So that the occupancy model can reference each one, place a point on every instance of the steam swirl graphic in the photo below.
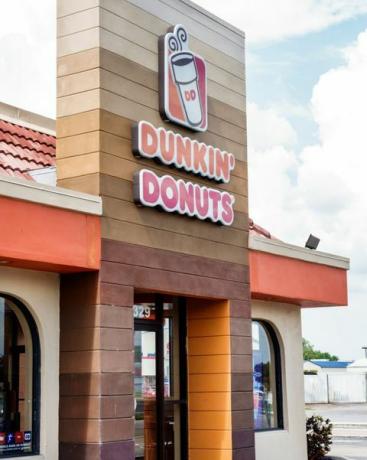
(178, 39)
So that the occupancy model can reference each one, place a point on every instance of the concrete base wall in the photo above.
(344, 388)
(39, 292)
(286, 321)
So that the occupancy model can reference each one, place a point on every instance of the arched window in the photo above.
(267, 377)
(19, 380)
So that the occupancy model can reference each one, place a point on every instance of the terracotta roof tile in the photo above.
(258, 230)
(24, 149)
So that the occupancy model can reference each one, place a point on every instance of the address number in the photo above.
(142, 312)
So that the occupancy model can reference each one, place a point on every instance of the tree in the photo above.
(309, 352)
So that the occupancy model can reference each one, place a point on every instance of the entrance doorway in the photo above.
(160, 378)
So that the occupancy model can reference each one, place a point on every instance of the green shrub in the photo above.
(319, 435)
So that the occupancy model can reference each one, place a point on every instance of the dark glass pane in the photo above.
(145, 395)
(16, 382)
(264, 379)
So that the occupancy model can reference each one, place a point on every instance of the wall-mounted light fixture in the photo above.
(312, 242)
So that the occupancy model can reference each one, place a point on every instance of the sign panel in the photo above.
(183, 91)
(172, 149)
(183, 197)
(183, 100)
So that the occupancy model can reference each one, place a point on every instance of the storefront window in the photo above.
(266, 377)
(19, 383)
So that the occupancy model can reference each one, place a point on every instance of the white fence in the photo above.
(335, 388)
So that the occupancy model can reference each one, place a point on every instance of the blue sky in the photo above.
(283, 73)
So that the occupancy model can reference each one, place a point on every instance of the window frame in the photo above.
(36, 378)
(274, 347)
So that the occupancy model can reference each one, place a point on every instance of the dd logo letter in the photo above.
(190, 95)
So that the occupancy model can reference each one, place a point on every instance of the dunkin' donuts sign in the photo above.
(183, 98)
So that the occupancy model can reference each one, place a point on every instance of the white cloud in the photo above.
(28, 55)
(322, 189)
(267, 128)
(265, 20)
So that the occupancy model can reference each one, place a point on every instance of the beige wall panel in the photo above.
(78, 22)
(157, 26)
(146, 97)
(225, 112)
(207, 19)
(78, 62)
(144, 57)
(67, 7)
(211, 32)
(161, 239)
(78, 145)
(93, 79)
(76, 124)
(90, 38)
(125, 29)
(129, 89)
(140, 74)
(78, 166)
(126, 211)
(78, 82)
(76, 103)
(78, 42)
(225, 78)
(129, 69)
(91, 59)
(89, 183)
(132, 51)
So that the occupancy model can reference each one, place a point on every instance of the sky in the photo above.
(307, 123)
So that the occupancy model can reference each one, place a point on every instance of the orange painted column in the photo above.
(209, 369)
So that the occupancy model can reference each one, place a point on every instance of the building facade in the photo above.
(187, 277)
(129, 328)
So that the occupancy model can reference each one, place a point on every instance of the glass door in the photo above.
(160, 378)
(145, 386)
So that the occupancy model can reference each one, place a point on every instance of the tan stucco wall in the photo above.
(39, 291)
(286, 320)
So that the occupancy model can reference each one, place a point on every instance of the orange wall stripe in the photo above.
(296, 281)
(42, 237)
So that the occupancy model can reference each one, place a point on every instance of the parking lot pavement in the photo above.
(340, 413)
(348, 449)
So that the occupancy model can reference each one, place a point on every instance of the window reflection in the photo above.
(265, 368)
(16, 381)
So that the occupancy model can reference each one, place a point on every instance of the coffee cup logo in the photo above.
(183, 93)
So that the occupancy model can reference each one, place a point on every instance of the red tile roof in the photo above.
(258, 230)
(24, 149)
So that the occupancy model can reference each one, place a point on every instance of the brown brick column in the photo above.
(243, 441)
(96, 380)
